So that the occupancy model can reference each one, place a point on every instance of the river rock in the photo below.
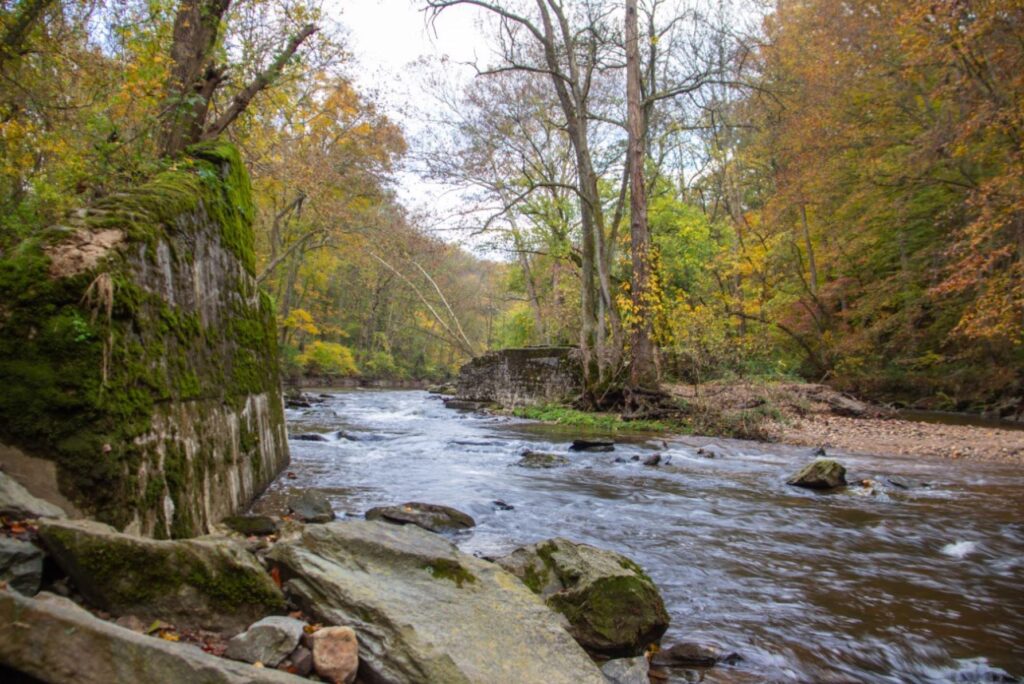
(58, 643)
(21, 565)
(214, 584)
(424, 611)
(612, 606)
(268, 641)
(592, 445)
(301, 661)
(686, 654)
(432, 517)
(336, 654)
(824, 473)
(652, 460)
(16, 502)
(311, 506)
(627, 671)
(252, 525)
(539, 459)
(310, 437)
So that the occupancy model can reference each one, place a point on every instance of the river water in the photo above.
(924, 584)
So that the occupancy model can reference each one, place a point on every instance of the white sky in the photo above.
(386, 37)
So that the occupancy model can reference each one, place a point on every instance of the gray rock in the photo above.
(686, 654)
(21, 565)
(612, 606)
(432, 517)
(209, 583)
(311, 506)
(268, 641)
(627, 671)
(16, 502)
(821, 474)
(424, 611)
(539, 459)
(249, 525)
(56, 643)
(302, 660)
(592, 445)
(310, 437)
(652, 460)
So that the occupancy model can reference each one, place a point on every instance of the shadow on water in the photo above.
(884, 584)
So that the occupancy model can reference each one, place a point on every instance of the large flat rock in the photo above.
(424, 611)
(58, 643)
(208, 583)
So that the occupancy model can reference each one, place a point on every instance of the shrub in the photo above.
(328, 358)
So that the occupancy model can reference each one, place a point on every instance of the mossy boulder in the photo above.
(824, 473)
(424, 611)
(138, 353)
(208, 583)
(539, 459)
(431, 517)
(612, 606)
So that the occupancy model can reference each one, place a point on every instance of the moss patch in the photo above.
(442, 568)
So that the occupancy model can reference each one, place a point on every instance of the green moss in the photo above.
(442, 568)
(81, 385)
(534, 579)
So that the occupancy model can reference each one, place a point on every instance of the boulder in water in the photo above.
(612, 606)
(686, 654)
(424, 611)
(309, 437)
(539, 459)
(251, 525)
(209, 583)
(432, 517)
(592, 445)
(652, 460)
(824, 473)
(311, 506)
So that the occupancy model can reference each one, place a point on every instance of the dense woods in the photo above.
(823, 189)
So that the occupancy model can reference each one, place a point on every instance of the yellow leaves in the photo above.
(301, 320)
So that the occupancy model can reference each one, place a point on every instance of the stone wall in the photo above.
(522, 377)
(138, 354)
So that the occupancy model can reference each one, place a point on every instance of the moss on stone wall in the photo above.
(83, 383)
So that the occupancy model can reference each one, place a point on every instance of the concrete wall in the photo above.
(522, 377)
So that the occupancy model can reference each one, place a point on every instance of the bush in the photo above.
(328, 358)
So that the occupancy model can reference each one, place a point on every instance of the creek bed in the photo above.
(918, 584)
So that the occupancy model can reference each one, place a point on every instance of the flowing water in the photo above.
(923, 584)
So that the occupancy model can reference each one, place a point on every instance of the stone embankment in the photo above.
(522, 377)
(139, 357)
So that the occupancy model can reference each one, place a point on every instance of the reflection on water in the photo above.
(924, 584)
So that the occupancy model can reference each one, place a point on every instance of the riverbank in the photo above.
(817, 416)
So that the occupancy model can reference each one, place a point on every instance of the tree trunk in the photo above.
(642, 369)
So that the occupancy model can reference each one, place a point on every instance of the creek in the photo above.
(920, 579)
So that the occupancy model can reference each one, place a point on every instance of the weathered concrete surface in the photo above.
(424, 611)
(522, 377)
(138, 354)
(60, 644)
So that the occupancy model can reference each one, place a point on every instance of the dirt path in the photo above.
(815, 415)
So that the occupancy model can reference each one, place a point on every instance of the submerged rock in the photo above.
(432, 517)
(21, 565)
(58, 643)
(687, 654)
(310, 437)
(821, 474)
(612, 606)
(652, 460)
(539, 459)
(16, 502)
(424, 611)
(268, 641)
(311, 506)
(249, 525)
(208, 583)
(592, 445)
(627, 671)
(336, 654)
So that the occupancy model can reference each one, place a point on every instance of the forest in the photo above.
(689, 191)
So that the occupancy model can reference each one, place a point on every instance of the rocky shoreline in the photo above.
(277, 599)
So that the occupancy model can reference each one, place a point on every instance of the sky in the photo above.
(386, 37)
